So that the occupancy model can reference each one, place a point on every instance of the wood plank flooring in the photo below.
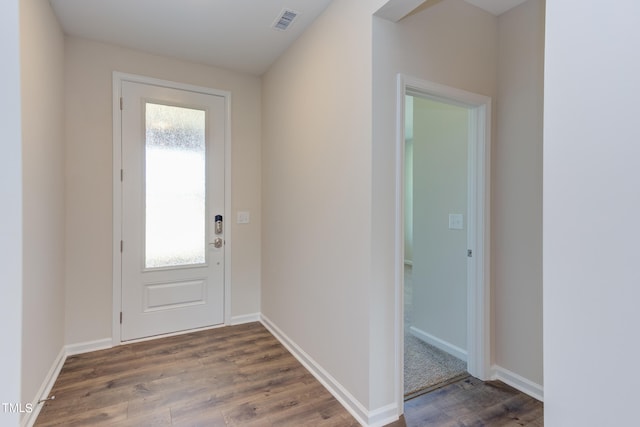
(471, 402)
(242, 376)
(231, 376)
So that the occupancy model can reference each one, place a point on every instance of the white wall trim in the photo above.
(30, 418)
(117, 79)
(228, 237)
(478, 286)
(87, 347)
(375, 418)
(382, 416)
(68, 350)
(443, 345)
(116, 301)
(518, 382)
(245, 318)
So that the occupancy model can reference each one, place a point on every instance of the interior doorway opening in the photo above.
(465, 220)
(435, 243)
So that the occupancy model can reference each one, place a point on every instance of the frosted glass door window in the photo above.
(175, 164)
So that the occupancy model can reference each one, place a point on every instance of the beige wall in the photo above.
(439, 276)
(327, 267)
(517, 192)
(456, 44)
(459, 45)
(88, 104)
(451, 43)
(11, 213)
(42, 50)
(317, 194)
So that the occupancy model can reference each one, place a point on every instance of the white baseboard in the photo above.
(439, 343)
(69, 350)
(245, 318)
(382, 416)
(89, 346)
(30, 418)
(518, 382)
(376, 418)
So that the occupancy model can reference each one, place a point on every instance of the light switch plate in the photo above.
(243, 217)
(456, 222)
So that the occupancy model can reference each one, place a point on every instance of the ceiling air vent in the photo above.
(284, 19)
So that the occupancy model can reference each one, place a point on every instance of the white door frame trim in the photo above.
(478, 280)
(118, 78)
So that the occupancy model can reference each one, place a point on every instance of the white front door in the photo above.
(172, 196)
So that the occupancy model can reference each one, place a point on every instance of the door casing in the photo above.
(478, 239)
(118, 78)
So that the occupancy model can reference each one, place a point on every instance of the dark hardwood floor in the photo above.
(231, 376)
(242, 376)
(471, 402)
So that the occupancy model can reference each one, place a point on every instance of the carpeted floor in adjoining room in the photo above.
(425, 366)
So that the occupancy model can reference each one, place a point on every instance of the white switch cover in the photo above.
(243, 217)
(456, 222)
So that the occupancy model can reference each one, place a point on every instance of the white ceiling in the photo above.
(232, 34)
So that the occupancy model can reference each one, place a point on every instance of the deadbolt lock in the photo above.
(218, 224)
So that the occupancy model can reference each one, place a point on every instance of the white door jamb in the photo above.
(478, 278)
